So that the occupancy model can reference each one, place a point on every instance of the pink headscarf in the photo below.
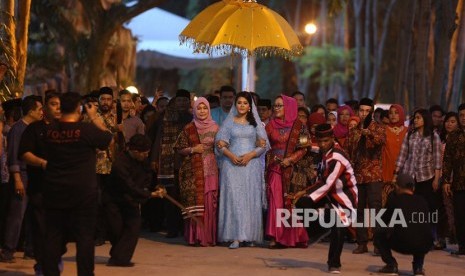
(399, 109)
(208, 122)
(340, 130)
(290, 113)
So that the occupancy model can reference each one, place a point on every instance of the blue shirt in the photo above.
(218, 115)
(14, 137)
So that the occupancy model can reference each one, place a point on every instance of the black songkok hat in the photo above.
(366, 101)
(183, 93)
(324, 130)
(264, 102)
(105, 90)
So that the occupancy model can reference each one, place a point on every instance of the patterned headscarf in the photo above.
(208, 123)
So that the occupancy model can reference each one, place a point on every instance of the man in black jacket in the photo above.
(413, 236)
(128, 187)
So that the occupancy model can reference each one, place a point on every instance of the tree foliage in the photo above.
(328, 64)
(88, 32)
(14, 22)
(269, 82)
(8, 81)
(202, 80)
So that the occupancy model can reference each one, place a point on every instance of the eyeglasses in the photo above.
(278, 106)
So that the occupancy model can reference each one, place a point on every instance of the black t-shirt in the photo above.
(71, 173)
(33, 140)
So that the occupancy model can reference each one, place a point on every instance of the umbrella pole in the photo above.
(248, 73)
(251, 74)
(245, 73)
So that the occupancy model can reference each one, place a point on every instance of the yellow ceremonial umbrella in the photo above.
(234, 26)
(244, 27)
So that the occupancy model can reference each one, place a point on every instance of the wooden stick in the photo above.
(188, 213)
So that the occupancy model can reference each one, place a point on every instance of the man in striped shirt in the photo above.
(336, 185)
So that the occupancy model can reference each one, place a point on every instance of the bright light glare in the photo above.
(310, 28)
(132, 89)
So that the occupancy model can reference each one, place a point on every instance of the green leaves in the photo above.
(327, 64)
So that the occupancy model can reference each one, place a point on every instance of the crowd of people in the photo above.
(219, 169)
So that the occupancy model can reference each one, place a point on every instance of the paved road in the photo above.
(156, 255)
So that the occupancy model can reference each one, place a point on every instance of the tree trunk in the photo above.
(348, 44)
(409, 89)
(450, 96)
(379, 52)
(374, 16)
(358, 85)
(99, 44)
(367, 50)
(459, 63)
(445, 28)
(403, 49)
(340, 28)
(24, 11)
(323, 22)
(8, 32)
(302, 82)
(297, 15)
(421, 54)
(86, 46)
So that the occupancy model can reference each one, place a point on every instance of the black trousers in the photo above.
(337, 235)
(425, 189)
(101, 227)
(15, 216)
(369, 196)
(124, 222)
(4, 203)
(36, 212)
(459, 216)
(443, 222)
(80, 222)
(172, 212)
(153, 214)
(336, 245)
(384, 244)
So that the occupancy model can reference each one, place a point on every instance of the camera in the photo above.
(87, 101)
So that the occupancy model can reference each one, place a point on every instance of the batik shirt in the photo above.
(366, 160)
(453, 169)
(105, 157)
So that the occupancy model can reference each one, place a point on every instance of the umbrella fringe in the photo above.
(228, 49)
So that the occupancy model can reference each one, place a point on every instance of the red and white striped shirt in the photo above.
(335, 179)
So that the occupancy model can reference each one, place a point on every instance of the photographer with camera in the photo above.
(70, 189)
